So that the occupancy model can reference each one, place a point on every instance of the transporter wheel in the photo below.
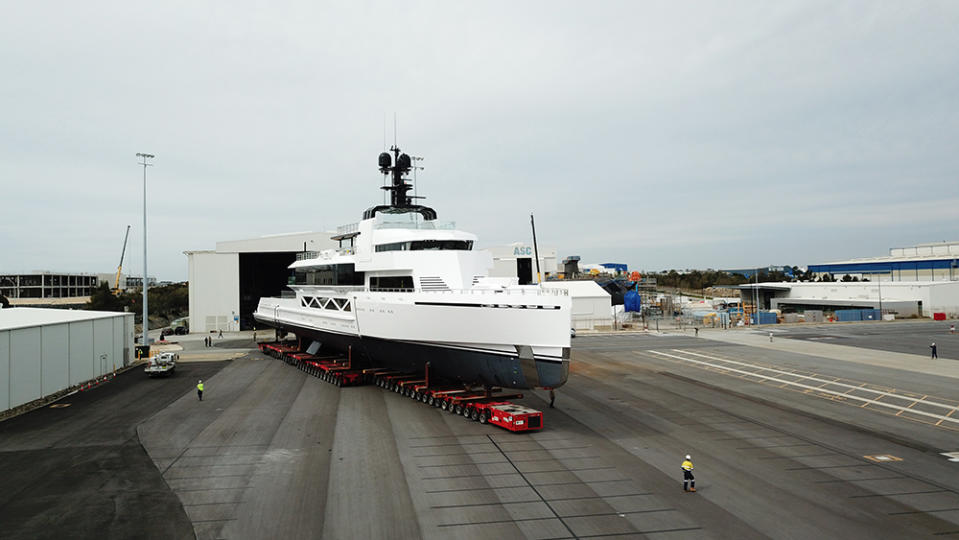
(431, 401)
(457, 409)
(474, 415)
(483, 417)
(466, 411)
(339, 382)
(443, 404)
(423, 397)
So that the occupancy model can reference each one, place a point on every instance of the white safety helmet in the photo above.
(687, 456)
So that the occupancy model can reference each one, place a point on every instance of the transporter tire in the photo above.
(483, 417)
(457, 409)
(431, 401)
(443, 404)
(466, 411)
(474, 415)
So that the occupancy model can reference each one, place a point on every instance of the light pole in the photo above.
(879, 284)
(146, 324)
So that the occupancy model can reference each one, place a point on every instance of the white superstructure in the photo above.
(404, 289)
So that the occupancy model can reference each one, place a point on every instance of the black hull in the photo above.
(468, 366)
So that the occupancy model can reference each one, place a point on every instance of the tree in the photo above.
(103, 299)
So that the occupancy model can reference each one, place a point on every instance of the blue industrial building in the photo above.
(925, 262)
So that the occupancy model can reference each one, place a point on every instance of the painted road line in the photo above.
(814, 378)
(952, 421)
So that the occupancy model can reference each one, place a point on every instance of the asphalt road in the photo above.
(786, 445)
(899, 336)
(77, 470)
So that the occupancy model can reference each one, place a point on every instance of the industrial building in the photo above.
(46, 285)
(591, 304)
(44, 351)
(899, 298)
(937, 261)
(226, 283)
(519, 260)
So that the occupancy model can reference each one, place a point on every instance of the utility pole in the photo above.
(146, 324)
(879, 284)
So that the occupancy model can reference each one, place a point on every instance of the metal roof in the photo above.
(22, 317)
(771, 286)
(887, 264)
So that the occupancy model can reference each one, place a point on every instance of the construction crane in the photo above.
(116, 284)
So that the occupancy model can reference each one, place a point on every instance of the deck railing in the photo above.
(525, 291)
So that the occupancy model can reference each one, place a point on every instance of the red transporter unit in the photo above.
(514, 417)
(487, 405)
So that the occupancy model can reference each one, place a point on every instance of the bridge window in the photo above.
(428, 245)
(329, 274)
(391, 283)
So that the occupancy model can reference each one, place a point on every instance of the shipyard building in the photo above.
(226, 283)
(45, 351)
(918, 281)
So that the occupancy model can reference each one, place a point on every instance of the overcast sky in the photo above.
(659, 134)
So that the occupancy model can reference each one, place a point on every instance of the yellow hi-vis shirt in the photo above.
(687, 465)
(200, 388)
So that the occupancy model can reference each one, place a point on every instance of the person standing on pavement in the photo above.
(221, 333)
(935, 354)
(552, 398)
(199, 389)
(689, 482)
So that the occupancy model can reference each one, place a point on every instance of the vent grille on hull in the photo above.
(433, 283)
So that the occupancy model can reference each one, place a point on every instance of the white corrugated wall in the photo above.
(41, 360)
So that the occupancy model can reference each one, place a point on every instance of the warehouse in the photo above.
(899, 298)
(44, 351)
(591, 304)
(226, 283)
(937, 261)
(519, 260)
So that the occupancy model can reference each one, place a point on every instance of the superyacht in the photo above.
(404, 289)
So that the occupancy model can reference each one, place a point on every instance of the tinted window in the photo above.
(386, 283)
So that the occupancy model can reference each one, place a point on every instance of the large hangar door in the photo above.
(524, 270)
(261, 274)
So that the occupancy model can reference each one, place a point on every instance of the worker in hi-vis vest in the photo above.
(689, 483)
(199, 389)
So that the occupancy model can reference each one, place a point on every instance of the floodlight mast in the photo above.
(144, 157)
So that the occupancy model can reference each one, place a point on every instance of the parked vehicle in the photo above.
(162, 364)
